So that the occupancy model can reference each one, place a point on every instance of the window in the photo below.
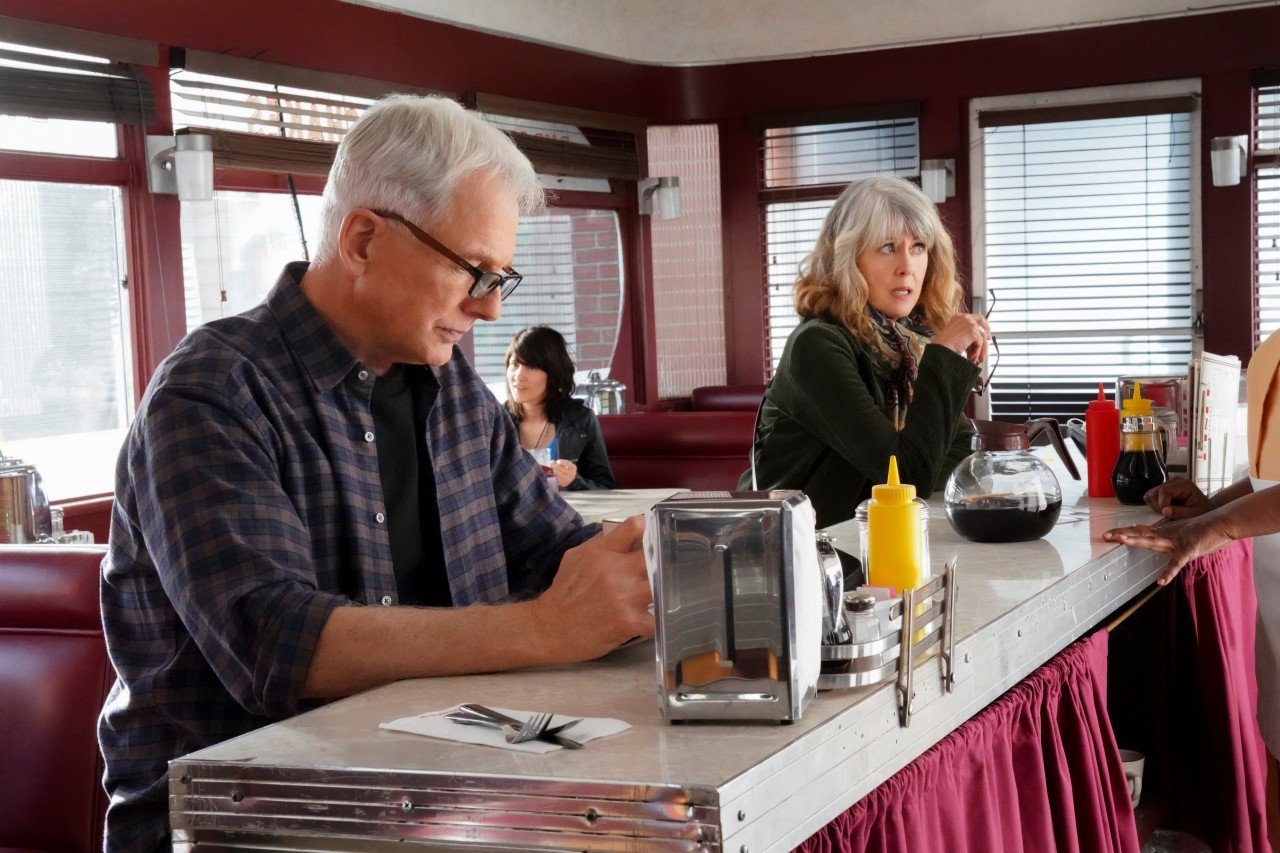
(688, 271)
(235, 246)
(571, 262)
(1085, 228)
(803, 167)
(66, 366)
(1266, 159)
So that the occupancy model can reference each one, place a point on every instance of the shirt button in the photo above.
(386, 601)
(363, 375)
(381, 518)
(368, 436)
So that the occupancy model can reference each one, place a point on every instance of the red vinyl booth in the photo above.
(688, 450)
(726, 398)
(54, 675)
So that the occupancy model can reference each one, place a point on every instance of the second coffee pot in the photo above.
(1002, 492)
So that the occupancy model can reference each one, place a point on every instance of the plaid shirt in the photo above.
(249, 506)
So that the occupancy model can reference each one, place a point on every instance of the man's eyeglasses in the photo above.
(485, 282)
(993, 350)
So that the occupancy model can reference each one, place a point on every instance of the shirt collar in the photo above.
(324, 357)
(315, 345)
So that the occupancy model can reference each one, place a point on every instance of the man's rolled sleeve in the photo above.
(233, 554)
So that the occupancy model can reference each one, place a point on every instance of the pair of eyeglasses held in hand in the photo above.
(993, 349)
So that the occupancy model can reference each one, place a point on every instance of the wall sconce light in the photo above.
(182, 164)
(662, 192)
(1229, 159)
(938, 179)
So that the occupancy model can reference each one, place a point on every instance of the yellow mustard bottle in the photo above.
(895, 547)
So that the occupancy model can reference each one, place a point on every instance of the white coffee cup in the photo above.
(1133, 762)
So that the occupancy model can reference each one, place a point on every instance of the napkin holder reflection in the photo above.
(737, 602)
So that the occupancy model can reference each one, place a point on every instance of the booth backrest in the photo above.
(54, 674)
(690, 450)
(726, 398)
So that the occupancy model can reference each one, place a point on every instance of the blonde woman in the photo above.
(882, 362)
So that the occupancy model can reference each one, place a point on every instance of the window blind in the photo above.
(264, 126)
(48, 84)
(1087, 238)
(567, 143)
(802, 170)
(1266, 159)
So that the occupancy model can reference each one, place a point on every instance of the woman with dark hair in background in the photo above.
(882, 362)
(539, 382)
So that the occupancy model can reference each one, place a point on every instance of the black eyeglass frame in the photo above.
(984, 382)
(485, 282)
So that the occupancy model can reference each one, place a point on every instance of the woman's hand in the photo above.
(1178, 498)
(966, 335)
(566, 472)
(1182, 540)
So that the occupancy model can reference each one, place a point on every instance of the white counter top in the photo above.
(731, 786)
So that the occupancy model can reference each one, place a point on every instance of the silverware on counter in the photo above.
(479, 715)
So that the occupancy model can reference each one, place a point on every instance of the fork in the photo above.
(532, 727)
(488, 722)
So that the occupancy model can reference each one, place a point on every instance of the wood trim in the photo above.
(518, 108)
(1088, 112)
(836, 115)
(237, 67)
(53, 37)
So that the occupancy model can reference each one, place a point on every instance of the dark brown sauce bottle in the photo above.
(1137, 472)
(1140, 467)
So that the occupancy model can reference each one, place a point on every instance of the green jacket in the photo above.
(824, 431)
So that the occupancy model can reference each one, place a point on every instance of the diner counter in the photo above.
(753, 787)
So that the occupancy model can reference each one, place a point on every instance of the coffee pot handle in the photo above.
(1049, 425)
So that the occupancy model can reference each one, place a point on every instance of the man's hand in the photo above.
(1182, 540)
(1178, 498)
(600, 596)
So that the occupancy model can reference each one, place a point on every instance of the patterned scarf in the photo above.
(907, 337)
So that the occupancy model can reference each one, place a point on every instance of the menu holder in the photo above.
(1214, 386)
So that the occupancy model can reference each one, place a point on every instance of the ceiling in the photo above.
(701, 32)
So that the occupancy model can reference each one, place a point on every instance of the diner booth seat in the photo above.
(686, 450)
(726, 398)
(54, 675)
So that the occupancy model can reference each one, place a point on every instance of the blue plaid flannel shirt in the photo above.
(249, 506)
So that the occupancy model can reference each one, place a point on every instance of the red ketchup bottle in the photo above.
(1102, 443)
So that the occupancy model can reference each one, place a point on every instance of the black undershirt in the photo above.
(401, 402)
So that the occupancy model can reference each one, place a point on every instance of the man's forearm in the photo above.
(365, 647)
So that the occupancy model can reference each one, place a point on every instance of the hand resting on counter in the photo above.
(1199, 525)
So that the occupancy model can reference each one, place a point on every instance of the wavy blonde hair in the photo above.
(864, 216)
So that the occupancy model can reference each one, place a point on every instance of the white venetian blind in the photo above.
(803, 166)
(1088, 249)
(1266, 159)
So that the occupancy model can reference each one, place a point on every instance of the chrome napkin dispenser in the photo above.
(738, 604)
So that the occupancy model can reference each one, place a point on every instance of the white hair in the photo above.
(407, 154)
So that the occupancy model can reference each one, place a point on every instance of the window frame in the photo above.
(766, 195)
(1070, 98)
(116, 172)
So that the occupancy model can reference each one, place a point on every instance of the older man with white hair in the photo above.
(320, 495)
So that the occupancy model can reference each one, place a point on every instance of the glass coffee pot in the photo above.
(1002, 492)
